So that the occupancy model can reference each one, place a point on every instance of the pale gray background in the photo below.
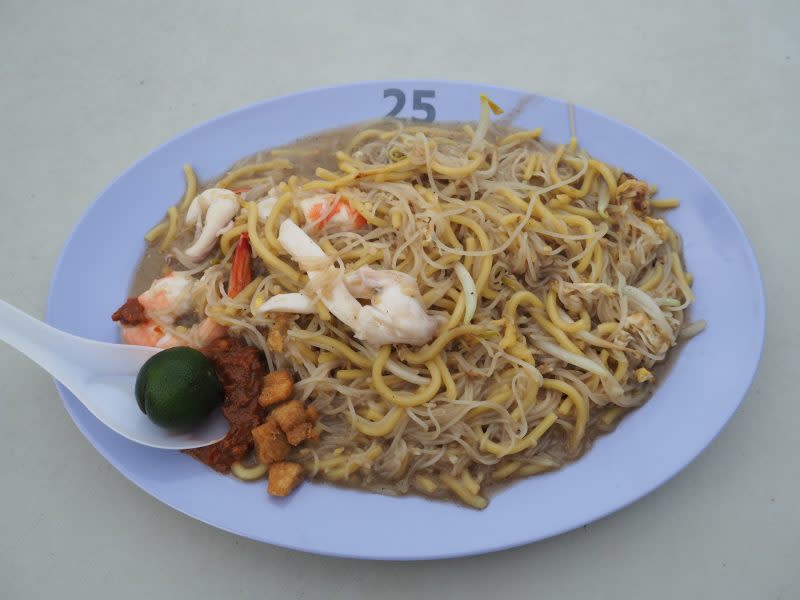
(86, 88)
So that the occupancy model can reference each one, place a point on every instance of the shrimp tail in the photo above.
(241, 273)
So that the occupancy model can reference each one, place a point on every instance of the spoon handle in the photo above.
(102, 377)
(53, 350)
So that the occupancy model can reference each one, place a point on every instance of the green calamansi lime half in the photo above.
(177, 388)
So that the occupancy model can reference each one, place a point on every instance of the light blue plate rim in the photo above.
(428, 549)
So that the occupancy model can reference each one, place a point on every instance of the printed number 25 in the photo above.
(419, 104)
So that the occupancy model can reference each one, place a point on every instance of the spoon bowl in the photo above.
(103, 377)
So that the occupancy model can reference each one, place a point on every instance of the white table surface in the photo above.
(86, 88)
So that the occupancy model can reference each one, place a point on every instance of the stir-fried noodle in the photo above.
(550, 288)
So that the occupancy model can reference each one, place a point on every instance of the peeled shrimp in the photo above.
(167, 299)
(170, 297)
(331, 212)
(150, 334)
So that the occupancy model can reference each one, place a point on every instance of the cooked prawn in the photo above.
(170, 297)
(331, 212)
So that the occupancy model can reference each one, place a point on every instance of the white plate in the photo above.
(707, 382)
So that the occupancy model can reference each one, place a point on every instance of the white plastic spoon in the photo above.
(102, 376)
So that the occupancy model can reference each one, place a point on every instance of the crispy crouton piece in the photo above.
(270, 441)
(283, 478)
(312, 414)
(299, 433)
(289, 415)
(276, 339)
(295, 422)
(277, 388)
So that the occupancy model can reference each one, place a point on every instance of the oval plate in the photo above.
(707, 381)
